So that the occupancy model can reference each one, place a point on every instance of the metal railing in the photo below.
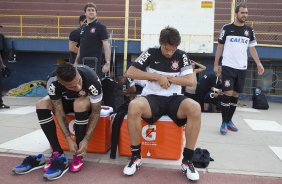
(59, 27)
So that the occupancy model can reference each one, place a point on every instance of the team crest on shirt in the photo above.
(175, 65)
(227, 83)
(92, 30)
(82, 93)
(246, 33)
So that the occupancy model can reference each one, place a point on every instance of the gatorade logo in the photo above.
(149, 132)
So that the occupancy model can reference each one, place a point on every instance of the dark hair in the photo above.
(170, 35)
(92, 5)
(241, 5)
(82, 18)
(66, 72)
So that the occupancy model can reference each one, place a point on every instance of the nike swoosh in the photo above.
(157, 62)
(77, 166)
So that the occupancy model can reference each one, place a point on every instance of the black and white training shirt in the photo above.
(152, 61)
(236, 41)
(91, 86)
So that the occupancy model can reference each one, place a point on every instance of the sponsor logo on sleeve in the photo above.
(222, 33)
(143, 58)
(93, 90)
(51, 89)
(185, 60)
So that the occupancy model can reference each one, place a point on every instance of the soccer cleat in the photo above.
(190, 171)
(231, 126)
(132, 166)
(48, 164)
(223, 128)
(58, 168)
(29, 164)
(77, 163)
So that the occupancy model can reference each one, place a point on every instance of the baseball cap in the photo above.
(82, 18)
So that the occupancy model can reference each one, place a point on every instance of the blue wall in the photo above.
(31, 66)
(36, 58)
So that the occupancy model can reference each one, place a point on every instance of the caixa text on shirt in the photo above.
(239, 40)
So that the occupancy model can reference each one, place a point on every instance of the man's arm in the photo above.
(93, 120)
(73, 46)
(61, 117)
(1, 63)
(77, 56)
(186, 80)
(254, 55)
(200, 67)
(107, 52)
(216, 59)
(63, 123)
(135, 73)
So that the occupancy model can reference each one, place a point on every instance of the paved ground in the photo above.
(252, 155)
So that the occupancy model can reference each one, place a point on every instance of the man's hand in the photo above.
(163, 82)
(82, 147)
(217, 70)
(106, 67)
(260, 69)
(72, 145)
(2, 66)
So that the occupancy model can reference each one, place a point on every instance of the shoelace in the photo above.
(132, 160)
(54, 155)
(191, 167)
(30, 160)
(57, 163)
(76, 160)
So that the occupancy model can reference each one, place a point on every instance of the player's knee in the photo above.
(42, 104)
(196, 108)
(80, 105)
(135, 107)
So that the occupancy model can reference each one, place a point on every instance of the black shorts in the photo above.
(162, 105)
(67, 105)
(233, 79)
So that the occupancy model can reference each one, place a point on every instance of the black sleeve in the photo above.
(222, 35)
(95, 90)
(103, 32)
(143, 60)
(75, 36)
(54, 90)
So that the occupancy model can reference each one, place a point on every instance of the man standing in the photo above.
(2, 68)
(74, 39)
(167, 69)
(94, 37)
(236, 38)
(71, 89)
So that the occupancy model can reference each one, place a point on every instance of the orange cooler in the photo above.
(100, 141)
(163, 139)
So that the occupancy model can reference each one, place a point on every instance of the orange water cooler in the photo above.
(163, 139)
(100, 141)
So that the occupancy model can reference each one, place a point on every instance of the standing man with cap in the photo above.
(94, 37)
(74, 39)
